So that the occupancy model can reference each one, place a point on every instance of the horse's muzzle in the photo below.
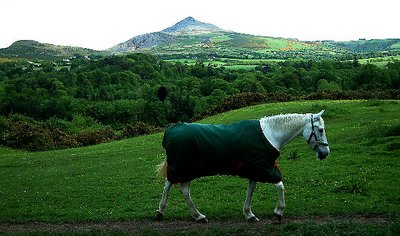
(323, 154)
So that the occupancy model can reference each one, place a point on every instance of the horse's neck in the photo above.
(281, 129)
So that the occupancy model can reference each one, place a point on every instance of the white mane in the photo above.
(286, 121)
(280, 129)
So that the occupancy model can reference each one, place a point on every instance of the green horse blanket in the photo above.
(196, 150)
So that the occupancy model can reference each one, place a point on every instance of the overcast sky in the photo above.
(101, 24)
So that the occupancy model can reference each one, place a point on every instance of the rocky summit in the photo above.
(190, 25)
(187, 26)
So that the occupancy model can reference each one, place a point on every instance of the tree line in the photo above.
(135, 93)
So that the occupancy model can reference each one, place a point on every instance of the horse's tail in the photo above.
(161, 170)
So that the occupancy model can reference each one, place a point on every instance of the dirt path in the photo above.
(170, 226)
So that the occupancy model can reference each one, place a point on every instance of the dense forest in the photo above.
(91, 100)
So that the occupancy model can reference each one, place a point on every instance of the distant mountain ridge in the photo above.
(35, 50)
(193, 39)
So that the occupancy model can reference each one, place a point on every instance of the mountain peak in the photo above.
(189, 18)
(189, 25)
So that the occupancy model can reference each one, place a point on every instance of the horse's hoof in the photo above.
(202, 220)
(253, 219)
(278, 218)
(159, 216)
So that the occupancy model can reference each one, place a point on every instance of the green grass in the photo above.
(240, 67)
(276, 43)
(2, 60)
(395, 46)
(379, 61)
(220, 38)
(116, 181)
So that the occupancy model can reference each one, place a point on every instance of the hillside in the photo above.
(192, 39)
(367, 46)
(115, 182)
(35, 50)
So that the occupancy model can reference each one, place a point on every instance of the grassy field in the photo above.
(380, 61)
(116, 182)
(232, 64)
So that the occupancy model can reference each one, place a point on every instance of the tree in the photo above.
(324, 85)
(372, 76)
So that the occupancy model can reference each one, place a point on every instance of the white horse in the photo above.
(277, 130)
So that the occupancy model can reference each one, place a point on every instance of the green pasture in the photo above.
(395, 46)
(228, 63)
(220, 38)
(379, 61)
(276, 43)
(2, 60)
(241, 67)
(116, 181)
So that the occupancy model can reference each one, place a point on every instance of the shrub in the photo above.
(61, 139)
(240, 100)
(87, 138)
(139, 128)
(25, 133)
(28, 136)
(81, 123)
(356, 94)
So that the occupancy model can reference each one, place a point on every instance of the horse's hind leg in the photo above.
(195, 213)
(163, 202)
(248, 214)
(281, 201)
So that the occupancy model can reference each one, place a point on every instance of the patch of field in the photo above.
(395, 46)
(220, 38)
(379, 61)
(240, 67)
(2, 60)
(276, 44)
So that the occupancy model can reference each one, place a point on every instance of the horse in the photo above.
(247, 149)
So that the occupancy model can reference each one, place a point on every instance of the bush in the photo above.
(81, 123)
(356, 94)
(61, 139)
(23, 133)
(139, 128)
(240, 100)
(87, 138)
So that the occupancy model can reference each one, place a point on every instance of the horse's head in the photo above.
(314, 133)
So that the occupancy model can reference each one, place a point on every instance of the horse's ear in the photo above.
(317, 116)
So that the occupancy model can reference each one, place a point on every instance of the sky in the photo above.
(101, 24)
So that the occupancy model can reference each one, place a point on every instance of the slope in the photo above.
(116, 181)
(35, 50)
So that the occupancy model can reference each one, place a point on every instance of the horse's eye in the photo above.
(321, 130)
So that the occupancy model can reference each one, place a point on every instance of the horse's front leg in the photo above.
(163, 202)
(195, 213)
(281, 201)
(248, 214)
